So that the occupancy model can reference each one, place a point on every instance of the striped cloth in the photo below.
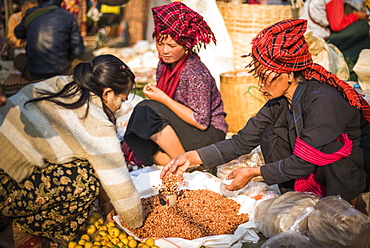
(41, 133)
(282, 48)
(184, 25)
(305, 151)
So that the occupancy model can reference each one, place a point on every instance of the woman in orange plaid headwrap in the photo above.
(313, 131)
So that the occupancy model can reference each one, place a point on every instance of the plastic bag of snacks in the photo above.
(335, 223)
(293, 237)
(253, 159)
(277, 215)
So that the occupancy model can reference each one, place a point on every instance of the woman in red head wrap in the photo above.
(184, 110)
(313, 131)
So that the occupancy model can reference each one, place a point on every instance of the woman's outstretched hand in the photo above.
(181, 163)
(241, 177)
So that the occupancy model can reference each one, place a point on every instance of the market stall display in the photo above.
(202, 185)
(197, 214)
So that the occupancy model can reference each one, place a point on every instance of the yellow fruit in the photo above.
(97, 224)
(110, 224)
(115, 240)
(150, 242)
(130, 237)
(145, 246)
(109, 244)
(122, 236)
(103, 228)
(96, 246)
(88, 244)
(125, 241)
(72, 244)
(114, 232)
(103, 233)
(125, 246)
(132, 243)
(140, 245)
(155, 246)
(97, 237)
(82, 242)
(97, 243)
(79, 246)
(86, 237)
(91, 229)
(93, 217)
(120, 244)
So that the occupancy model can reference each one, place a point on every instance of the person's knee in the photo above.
(362, 27)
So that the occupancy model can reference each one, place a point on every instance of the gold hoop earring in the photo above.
(186, 51)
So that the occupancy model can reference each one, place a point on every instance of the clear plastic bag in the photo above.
(283, 212)
(226, 192)
(253, 159)
(255, 190)
(335, 223)
(293, 237)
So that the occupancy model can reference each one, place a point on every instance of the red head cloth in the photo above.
(282, 48)
(183, 24)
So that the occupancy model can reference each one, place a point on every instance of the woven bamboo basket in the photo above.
(245, 21)
(241, 97)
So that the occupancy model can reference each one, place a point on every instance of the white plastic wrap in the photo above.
(253, 159)
(146, 184)
(335, 223)
(277, 215)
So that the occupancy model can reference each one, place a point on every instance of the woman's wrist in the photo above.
(256, 171)
(194, 158)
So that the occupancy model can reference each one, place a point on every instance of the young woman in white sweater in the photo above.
(60, 152)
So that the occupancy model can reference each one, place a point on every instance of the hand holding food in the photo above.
(154, 93)
(181, 163)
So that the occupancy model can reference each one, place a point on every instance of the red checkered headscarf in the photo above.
(183, 24)
(282, 48)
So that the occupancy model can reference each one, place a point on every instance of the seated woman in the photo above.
(184, 110)
(347, 31)
(313, 131)
(60, 152)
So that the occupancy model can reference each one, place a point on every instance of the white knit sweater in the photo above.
(43, 132)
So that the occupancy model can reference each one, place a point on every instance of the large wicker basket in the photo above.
(241, 97)
(245, 21)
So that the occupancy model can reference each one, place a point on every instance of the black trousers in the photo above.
(149, 117)
(20, 63)
(352, 39)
